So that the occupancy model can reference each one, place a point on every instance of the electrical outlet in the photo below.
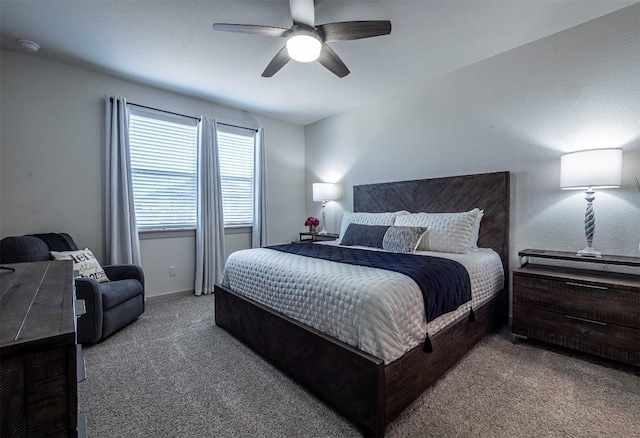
(172, 271)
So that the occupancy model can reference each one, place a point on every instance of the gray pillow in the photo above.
(364, 235)
(402, 239)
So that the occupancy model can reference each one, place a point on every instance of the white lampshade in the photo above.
(324, 192)
(595, 168)
(303, 48)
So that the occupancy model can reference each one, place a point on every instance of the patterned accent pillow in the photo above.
(364, 235)
(403, 239)
(85, 264)
(447, 232)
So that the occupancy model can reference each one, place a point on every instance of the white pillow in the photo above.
(446, 232)
(84, 263)
(365, 219)
(475, 233)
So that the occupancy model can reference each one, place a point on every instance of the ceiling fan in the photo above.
(307, 42)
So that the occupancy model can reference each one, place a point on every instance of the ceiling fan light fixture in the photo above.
(304, 48)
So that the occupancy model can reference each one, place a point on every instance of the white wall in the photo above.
(52, 160)
(518, 111)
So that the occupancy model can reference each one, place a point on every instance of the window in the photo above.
(164, 171)
(236, 150)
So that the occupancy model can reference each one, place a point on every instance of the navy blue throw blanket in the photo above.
(445, 284)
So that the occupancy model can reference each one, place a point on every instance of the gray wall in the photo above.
(52, 160)
(518, 111)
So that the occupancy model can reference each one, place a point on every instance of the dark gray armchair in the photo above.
(110, 305)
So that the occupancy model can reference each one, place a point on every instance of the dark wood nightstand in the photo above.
(593, 311)
(307, 237)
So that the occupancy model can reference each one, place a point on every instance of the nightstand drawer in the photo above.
(607, 340)
(587, 300)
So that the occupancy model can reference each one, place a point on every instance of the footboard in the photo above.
(359, 386)
(342, 376)
(409, 376)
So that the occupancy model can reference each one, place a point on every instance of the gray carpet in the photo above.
(173, 373)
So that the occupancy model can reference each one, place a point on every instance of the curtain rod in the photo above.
(184, 115)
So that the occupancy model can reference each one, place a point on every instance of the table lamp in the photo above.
(323, 192)
(589, 170)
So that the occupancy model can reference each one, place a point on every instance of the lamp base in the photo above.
(589, 252)
(323, 232)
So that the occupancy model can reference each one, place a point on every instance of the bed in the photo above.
(362, 387)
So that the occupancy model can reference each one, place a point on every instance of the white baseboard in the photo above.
(168, 296)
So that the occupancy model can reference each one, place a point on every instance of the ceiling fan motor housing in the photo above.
(303, 45)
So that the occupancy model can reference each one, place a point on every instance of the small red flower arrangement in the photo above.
(312, 223)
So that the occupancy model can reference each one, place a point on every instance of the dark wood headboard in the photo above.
(487, 191)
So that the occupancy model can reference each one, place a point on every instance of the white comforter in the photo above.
(380, 312)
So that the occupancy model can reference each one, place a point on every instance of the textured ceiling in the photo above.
(171, 44)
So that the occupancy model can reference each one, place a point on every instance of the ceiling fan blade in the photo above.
(353, 30)
(252, 29)
(278, 61)
(330, 60)
(303, 12)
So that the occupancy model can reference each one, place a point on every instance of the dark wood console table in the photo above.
(40, 359)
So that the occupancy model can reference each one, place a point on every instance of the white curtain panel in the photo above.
(210, 223)
(259, 231)
(123, 245)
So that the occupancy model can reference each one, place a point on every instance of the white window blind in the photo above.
(236, 150)
(164, 170)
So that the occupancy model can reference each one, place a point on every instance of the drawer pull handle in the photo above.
(586, 320)
(569, 283)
